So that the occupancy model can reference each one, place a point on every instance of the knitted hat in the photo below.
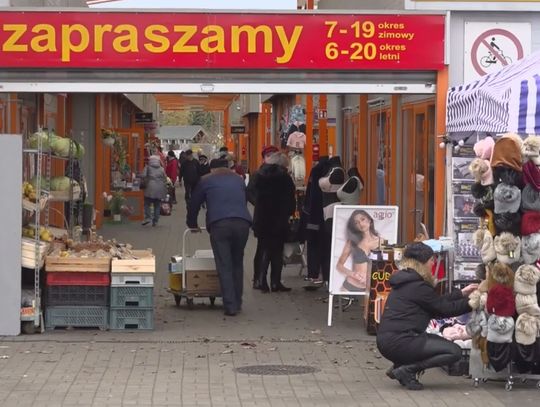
(526, 329)
(418, 251)
(507, 198)
(530, 198)
(508, 222)
(531, 174)
(531, 147)
(267, 150)
(500, 301)
(484, 148)
(525, 279)
(530, 223)
(501, 274)
(530, 248)
(500, 329)
(527, 304)
(507, 247)
(507, 153)
(481, 171)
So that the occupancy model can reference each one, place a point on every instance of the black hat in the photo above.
(189, 152)
(219, 163)
(201, 156)
(418, 251)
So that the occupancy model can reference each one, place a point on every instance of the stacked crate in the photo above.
(132, 291)
(77, 292)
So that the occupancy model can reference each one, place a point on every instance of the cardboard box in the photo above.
(202, 282)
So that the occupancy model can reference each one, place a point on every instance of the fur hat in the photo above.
(474, 299)
(507, 175)
(508, 248)
(525, 279)
(507, 152)
(508, 222)
(531, 175)
(487, 249)
(500, 301)
(500, 273)
(500, 329)
(530, 198)
(478, 190)
(530, 223)
(527, 304)
(526, 329)
(477, 324)
(418, 251)
(479, 209)
(483, 148)
(481, 271)
(531, 147)
(507, 198)
(530, 248)
(481, 171)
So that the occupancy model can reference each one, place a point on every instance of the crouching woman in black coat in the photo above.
(412, 303)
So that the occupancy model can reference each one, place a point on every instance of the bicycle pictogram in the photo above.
(495, 55)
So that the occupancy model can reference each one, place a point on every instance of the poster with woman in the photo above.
(357, 232)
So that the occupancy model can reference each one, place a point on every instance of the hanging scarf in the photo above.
(531, 174)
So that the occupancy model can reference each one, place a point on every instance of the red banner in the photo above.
(221, 41)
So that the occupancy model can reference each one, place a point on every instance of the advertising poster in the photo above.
(465, 249)
(357, 232)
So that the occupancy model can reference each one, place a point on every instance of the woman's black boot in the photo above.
(407, 377)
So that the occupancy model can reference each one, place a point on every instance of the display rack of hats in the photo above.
(505, 322)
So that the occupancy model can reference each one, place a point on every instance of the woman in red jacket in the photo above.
(172, 172)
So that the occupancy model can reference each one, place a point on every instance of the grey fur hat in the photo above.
(530, 248)
(478, 324)
(530, 198)
(507, 198)
(507, 247)
(526, 329)
(500, 329)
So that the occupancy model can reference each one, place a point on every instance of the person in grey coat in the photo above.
(155, 190)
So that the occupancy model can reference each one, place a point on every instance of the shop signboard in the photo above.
(227, 40)
(474, 5)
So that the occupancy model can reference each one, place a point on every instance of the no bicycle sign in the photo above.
(491, 46)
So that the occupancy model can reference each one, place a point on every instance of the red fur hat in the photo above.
(530, 223)
(501, 301)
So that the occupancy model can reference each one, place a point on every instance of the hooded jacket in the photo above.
(272, 192)
(154, 173)
(413, 301)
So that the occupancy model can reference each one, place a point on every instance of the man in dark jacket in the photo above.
(274, 204)
(190, 174)
(228, 221)
(412, 303)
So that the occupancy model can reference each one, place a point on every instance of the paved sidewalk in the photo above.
(190, 357)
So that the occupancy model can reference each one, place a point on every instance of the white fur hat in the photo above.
(526, 329)
(531, 147)
(527, 304)
(487, 250)
(500, 329)
(525, 279)
(474, 299)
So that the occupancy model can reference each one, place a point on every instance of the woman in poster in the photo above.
(362, 238)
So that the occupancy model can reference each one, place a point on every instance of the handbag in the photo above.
(143, 183)
(165, 209)
(294, 233)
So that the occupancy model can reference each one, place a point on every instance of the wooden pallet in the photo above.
(145, 263)
(78, 264)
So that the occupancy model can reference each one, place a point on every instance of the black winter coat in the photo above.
(411, 304)
(190, 171)
(271, 190)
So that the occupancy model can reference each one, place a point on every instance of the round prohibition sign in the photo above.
(485, 53)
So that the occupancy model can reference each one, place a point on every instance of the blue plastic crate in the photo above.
(77, 317)
(130, 296)
(132, 318)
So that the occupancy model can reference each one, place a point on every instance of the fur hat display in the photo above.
(530, 223)
(507, 153)
(481, 171)
(483, 148)
(530, 198)
(531, 175)
(418, 251)
(478, 190)
(508, 222)
(500, 329)
(507, 175)
(507, 198)
(525, 279)
(526, 329)
(500, 301)
(531, 147)
(527, 304)
(530, 248)
(477, 324)
(500, 273)
(508, 248)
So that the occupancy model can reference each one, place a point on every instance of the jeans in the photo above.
(155, 203)
(272, 254)
(228, 238)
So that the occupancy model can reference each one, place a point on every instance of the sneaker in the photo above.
(145, 222)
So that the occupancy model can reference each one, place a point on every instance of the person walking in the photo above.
(204, 165)
(190, 174)
(274, 204)
(412, 303)
(228, 222)
(172, 172)
(155, 189)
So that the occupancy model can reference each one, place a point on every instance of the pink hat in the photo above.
(483, 148)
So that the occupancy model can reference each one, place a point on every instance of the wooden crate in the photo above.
(145, 263)
(78, 264)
